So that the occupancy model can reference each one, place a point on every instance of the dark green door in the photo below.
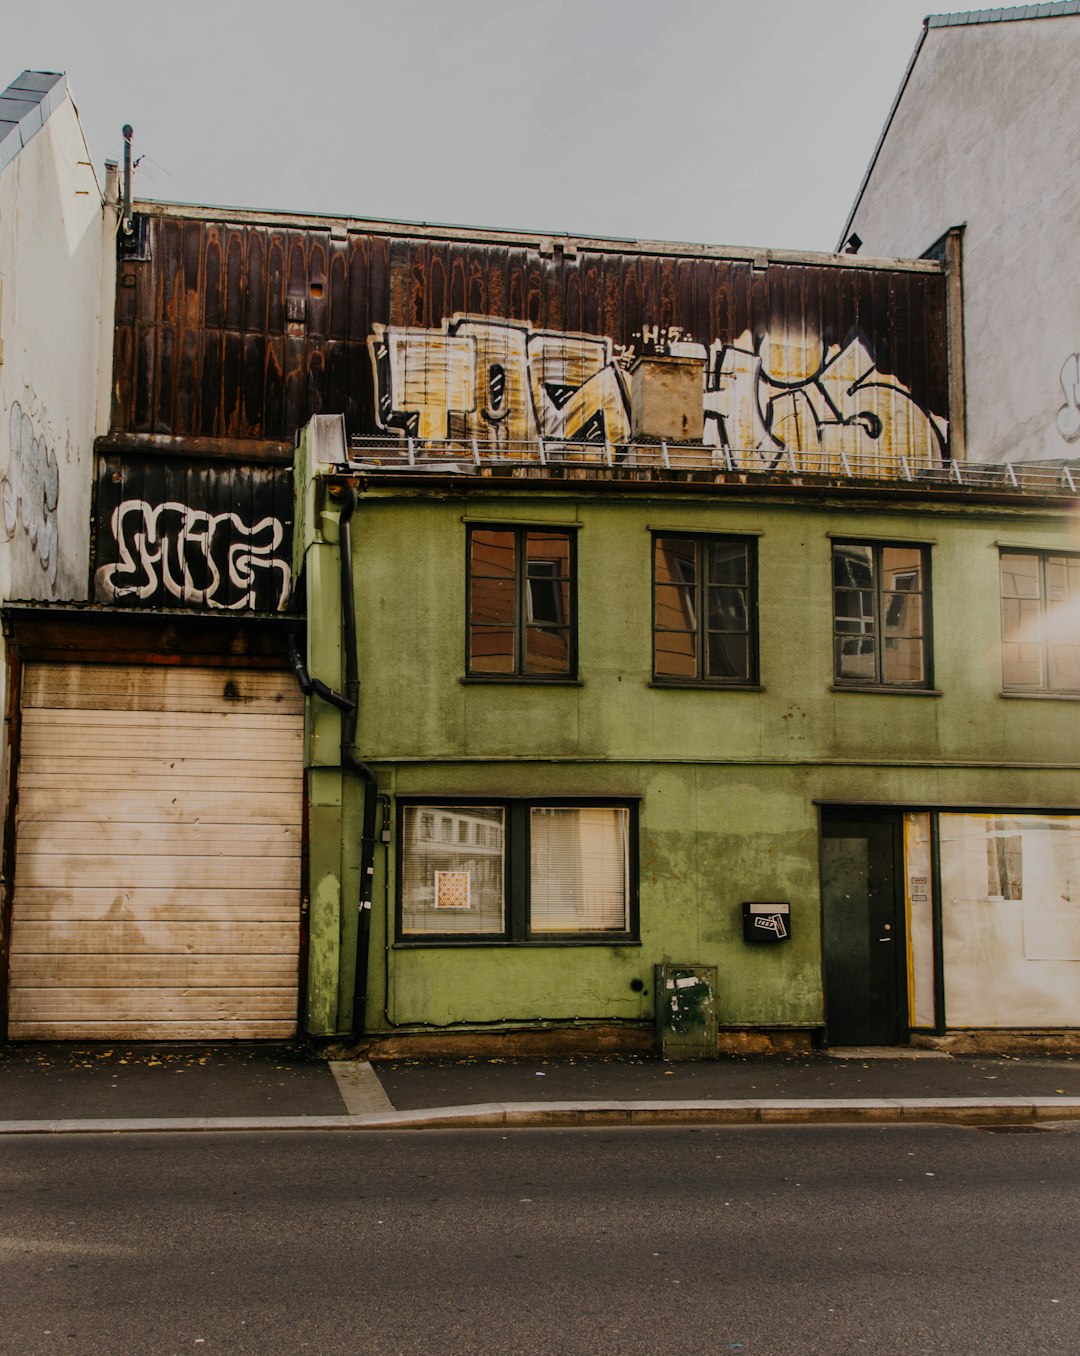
(865, 997)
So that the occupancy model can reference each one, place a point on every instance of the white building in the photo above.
(981, 136)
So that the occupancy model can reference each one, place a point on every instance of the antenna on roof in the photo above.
(125, 220)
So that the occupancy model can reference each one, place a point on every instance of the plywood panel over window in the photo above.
(158, 840)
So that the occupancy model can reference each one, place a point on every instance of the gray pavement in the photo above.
(86, 1087)
(777, 1241)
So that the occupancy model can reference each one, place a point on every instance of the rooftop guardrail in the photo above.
(474, 457)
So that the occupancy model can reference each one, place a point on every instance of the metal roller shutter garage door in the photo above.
(157, 854)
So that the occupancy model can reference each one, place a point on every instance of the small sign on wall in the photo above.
(453, 890)
(768, 923)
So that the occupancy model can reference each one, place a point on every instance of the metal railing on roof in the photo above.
(446, 456)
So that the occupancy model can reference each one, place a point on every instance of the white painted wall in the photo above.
(51, 261)
(985, 134)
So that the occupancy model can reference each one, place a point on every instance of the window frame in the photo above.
(517, 874)
(702, 540)
(1045, 688)
(879, 683)
(523, 603)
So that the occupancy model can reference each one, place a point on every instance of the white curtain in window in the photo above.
(579, 869)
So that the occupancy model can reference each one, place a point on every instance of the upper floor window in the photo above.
(880, 615)
(521, 603)
(704, 612)
(1040, 621)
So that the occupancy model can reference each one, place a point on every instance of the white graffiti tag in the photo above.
(789, 394)
(1068, 418)
(210, 559)
(30, 487)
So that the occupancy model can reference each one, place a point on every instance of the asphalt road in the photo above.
(760, 1241)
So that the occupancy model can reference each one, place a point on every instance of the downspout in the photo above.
(351, 761)
(349, 705)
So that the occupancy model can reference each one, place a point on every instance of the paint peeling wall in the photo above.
(50, 303)
(728, 781)
(982, 138)
(243, 330)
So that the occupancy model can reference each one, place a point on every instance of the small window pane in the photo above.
(492, 602)
(855, 606)
(675, 608)
(454, 884)
(1020, 619)
(547, 650)
(492, 554)
(727, 562)
(727, 610)
(1065, 668)
(901, 568)
(853, 566)
(903, 614)
(548, 601)
(676, 560)
(903, 661)
(728, 656)
(491, 650)
(855, 658)
(1020, 576)
(549, 550)
(579, 869)
(1022, 664)
(676, 654)
(1057, 579)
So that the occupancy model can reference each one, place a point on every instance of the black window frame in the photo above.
(1043, 556)
(879, 683)
(701, 541)
(517, 872)
(523, 604)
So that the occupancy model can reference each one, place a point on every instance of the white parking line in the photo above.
(359, 1086)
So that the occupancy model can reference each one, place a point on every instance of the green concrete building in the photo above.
(810, 726)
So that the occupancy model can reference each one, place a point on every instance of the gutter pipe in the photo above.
(349, 705)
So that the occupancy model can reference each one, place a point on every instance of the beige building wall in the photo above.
(983, 135)
(51, 261)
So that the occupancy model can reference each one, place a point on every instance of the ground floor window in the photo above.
(1010, 919)
(517, 871)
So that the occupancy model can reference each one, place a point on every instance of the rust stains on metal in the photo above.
(242, 329)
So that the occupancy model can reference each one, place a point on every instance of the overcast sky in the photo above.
(740, 122)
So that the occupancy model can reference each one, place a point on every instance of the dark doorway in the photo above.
(864, 939)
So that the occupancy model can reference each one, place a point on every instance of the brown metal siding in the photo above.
(246, 330)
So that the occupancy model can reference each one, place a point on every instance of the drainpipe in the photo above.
(351, 761)
(349, 705)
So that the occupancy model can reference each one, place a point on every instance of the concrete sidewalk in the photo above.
(113, 1088)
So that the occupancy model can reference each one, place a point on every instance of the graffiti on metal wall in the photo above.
(1068, 417)
(499, 381)
(171, 552)
(503, 382)
(30, 482)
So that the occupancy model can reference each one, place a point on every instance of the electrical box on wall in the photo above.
(686, 1011)
(766, 923)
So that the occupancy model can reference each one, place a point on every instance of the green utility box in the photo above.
(686, 1011)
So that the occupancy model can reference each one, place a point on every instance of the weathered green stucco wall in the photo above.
(729, 781)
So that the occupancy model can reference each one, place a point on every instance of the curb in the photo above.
(553, 1115)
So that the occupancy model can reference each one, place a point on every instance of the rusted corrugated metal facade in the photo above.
(178, 531)
(242, 330)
